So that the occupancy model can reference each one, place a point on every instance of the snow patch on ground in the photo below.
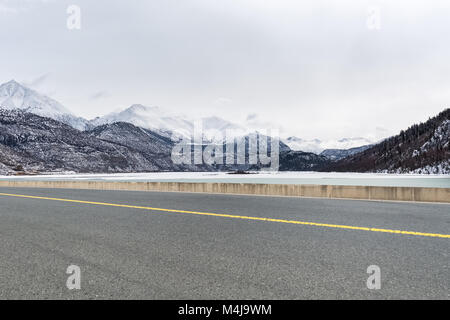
(440, 168)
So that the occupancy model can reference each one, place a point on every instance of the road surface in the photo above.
(156, 245)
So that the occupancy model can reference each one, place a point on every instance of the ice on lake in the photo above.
(320, 178)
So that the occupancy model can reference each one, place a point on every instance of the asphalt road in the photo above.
(136, 253)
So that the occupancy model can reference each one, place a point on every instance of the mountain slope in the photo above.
(167, 124)
(338, 154)
(317, 146)
(129, 135)
(31, 143)
(13, 95)
(36, 143)
(153, 146)
(152, 118)
(422, 148)
(302, 161)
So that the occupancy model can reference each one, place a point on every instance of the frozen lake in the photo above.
(360, 179)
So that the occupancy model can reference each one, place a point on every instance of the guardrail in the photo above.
(292, 190)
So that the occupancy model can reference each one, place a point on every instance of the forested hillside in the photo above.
(422, 148)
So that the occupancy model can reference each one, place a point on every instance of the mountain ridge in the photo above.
(14, 95)
(422, 148)
(37, 144)
(31, 144)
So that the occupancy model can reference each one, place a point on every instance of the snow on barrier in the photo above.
(419, 194)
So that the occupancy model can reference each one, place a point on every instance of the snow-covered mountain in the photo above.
(39, 134)
(298, 144)
(153, 118)
(317, 146)
(338, 154)
(167, 124)
(33, 144)
(178, 126)
(13, 95)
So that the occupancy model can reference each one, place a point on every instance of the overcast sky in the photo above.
(319, 69)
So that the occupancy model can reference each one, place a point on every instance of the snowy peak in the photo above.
(11, 87)
(216, 123)
(152, 118)
(14, 95)
(139, 108)
(317, 146)
(298, 144)
(163, 122)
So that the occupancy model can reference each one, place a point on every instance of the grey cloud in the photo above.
(14, 6)
(99, 95)
(37, 81)
(312, 66)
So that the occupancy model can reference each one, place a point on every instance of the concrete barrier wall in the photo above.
(320, 191)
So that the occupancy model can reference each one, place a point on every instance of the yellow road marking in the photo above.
(436, 235)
